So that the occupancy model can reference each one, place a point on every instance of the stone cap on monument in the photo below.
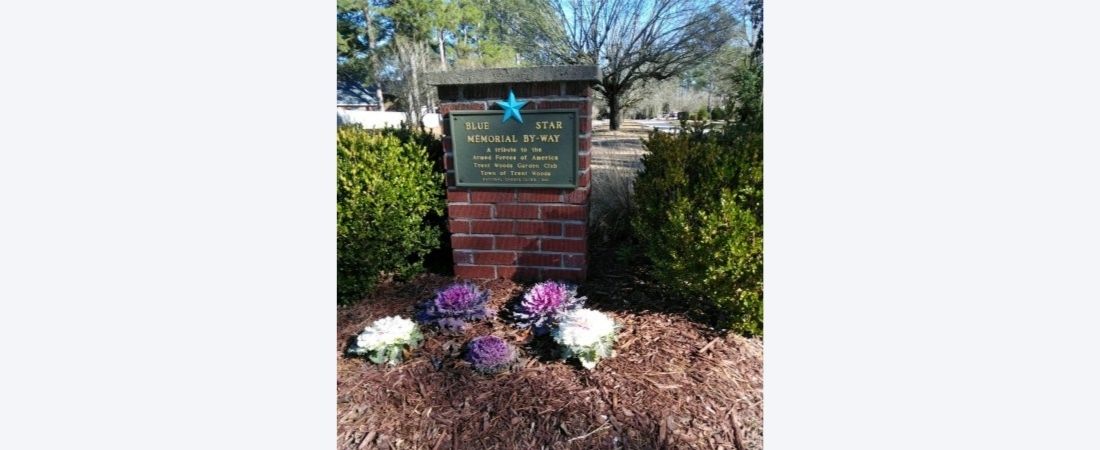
(514, 75)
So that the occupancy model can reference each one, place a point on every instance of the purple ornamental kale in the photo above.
(490, 354)
(454, 305)
(544, 303)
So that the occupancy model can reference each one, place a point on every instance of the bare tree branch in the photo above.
(635, 41)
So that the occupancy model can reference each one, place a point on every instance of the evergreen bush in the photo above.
(387, 196)
(702, 113)
(700, 215)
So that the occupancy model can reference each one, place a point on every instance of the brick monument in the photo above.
(516, 145)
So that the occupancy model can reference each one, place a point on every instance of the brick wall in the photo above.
(520, 233)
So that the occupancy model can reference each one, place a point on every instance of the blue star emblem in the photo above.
(511, 107)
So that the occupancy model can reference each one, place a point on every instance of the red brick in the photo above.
(586, 126)
(463, 257)
(541, 89)
(451, 179)
(575, 230)
(586, 144)
(561, 105)
(540, 259)
(472, 242)
(458, 196)
(491, 92)
(516, 243)
(491, 226)
(577, 88)
(462, 106)
(566, 212)
(582, 162)
(460, 226)
(475, 272)
(577, 196)
(470, 211)
(577, 261)
(583, 181)
(483, 196)
(563, 274)
(539, 196)
(449, 162)
(542, 228)
(564, 245)
(495, 258)
(518, 273)
(511, 211)
(450, 92)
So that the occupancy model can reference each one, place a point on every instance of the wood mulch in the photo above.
(673, 384)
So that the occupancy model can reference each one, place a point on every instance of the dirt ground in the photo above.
(673, 384)
(615, 150)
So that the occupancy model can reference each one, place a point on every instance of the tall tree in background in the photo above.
(358, 54)
(756, 17)
(391, 43)
(636, 41)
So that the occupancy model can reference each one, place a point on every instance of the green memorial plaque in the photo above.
(492, 150)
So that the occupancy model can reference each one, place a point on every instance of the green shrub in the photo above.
(702, 113)
(699, 222)
(387, 193)
(699, 217)
(718, 114)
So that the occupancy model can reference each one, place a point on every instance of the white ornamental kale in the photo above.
(385, 340)
(586, 334)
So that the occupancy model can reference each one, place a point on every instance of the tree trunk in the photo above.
(442, 55)
(613, 105)
(415, 89)
(373, 56)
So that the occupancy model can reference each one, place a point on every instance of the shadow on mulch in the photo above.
(618, 283)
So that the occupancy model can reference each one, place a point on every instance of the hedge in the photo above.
(388, 202)
(700, 214)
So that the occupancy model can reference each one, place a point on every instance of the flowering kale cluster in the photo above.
(544, 303)
(490, 354)
(454, 305)
(588, 335)
(387, 339)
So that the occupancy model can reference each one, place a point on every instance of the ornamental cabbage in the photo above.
(586, 334)
(490, 354)
(454, 305)
(544, 303)
(386, 340)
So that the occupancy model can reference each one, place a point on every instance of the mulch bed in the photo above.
(673, 384)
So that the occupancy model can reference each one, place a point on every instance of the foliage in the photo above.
(386, 189)
(718, 114)
(454, 305)
(702, 114)
(490, 354)
(588, 335)
(544, 304)
(700, 211)
(450, 33)
(612, 206)
(387, 340)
